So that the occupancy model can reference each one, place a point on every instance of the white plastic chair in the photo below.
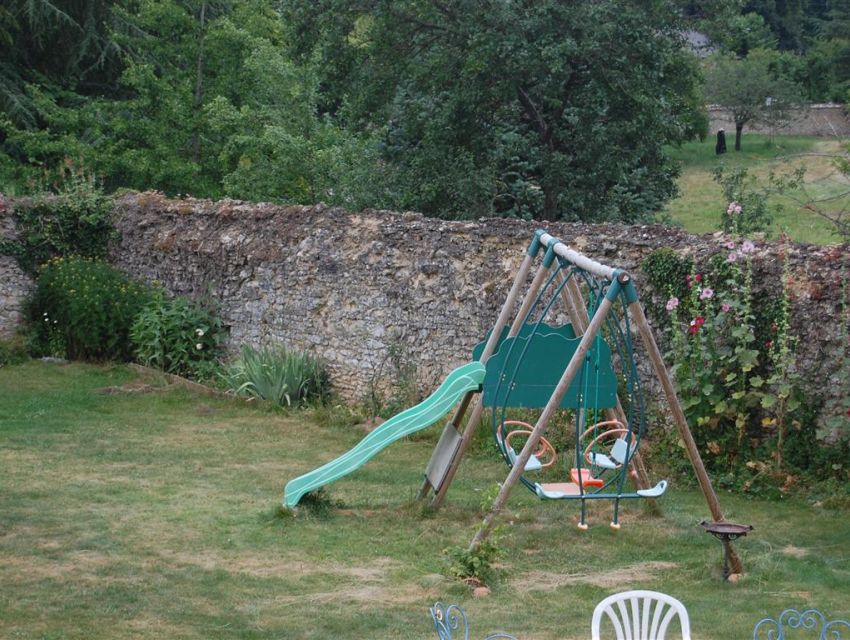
(640, 615)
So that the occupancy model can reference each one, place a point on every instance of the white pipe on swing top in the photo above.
(578, 259)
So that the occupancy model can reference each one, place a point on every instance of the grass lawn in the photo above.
(701, 203)
(135, 511)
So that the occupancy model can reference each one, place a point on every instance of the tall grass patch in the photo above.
(279, 375)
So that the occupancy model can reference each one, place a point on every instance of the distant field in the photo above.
(701, 203)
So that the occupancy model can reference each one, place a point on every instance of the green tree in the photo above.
(57, 44)
(741, 34)
(748, 89)
(552, 109)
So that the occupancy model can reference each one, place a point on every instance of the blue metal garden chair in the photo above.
(451, 618)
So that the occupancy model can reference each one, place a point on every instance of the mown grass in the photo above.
(131, 511)
(701, 203)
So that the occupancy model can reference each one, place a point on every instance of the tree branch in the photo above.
(543, 130)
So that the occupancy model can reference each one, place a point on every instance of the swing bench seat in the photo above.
(655, 491)
(557, 490)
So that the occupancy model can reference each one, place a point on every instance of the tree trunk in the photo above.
(198, 100)
(739, 127)
(550, 204)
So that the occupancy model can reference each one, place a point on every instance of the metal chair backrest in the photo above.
(812, 621)
(640, 615)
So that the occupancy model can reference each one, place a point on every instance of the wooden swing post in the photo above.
(574, 366)
(478, 408)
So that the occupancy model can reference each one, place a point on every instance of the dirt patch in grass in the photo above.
(196, 434)
(795, 552)
(262, 567)
(76, 567)
(149, 626)
(134, 387)
(362, 594)
(549, 581)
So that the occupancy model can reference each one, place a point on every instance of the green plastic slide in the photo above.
(467, 378)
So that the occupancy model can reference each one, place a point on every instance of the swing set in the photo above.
(567, 357)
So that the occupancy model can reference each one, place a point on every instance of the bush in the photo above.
(75, 221)
(82, 309)
(177, 336)
(278, 375)
(736, 386)
(748, 211)
(12, 351)
(476, 567)
(735, 369)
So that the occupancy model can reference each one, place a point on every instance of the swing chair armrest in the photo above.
(533, 463)
(602, 461)
(655, 491)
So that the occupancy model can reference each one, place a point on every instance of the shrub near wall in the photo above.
(82, 309)
(177, 335)
(76, 220)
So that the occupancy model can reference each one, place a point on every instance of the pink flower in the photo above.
(738, 209)
(733, 257)
(672, 303)
(733, 208)
(725, 307)
(706, 294)
(730, 245)
(747, 247)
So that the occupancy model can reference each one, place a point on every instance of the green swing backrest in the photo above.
(526, 369)
(525, 330)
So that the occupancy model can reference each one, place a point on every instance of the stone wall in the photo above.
(825, 120)
(14, 283)
(353, 287)
(357, 288)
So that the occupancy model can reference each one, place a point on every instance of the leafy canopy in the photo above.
(552, 109)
